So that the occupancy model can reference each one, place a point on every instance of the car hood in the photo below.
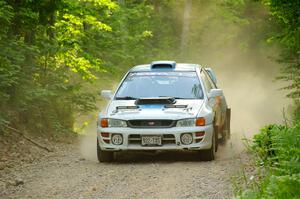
(154, 111)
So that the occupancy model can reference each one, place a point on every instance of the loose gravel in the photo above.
(67, 173)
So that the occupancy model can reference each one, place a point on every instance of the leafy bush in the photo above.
(277, 149)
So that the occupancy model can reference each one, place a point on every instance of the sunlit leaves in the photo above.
(51, 49)
(46, 55)
(73, 28)
(102, 3)
(69, 28)
(147, 34)
(96, 24)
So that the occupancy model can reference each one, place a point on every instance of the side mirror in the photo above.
(106, 94)
(215, 93)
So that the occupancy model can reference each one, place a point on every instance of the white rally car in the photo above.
(164, 106)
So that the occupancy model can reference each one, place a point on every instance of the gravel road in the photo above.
(71, 172)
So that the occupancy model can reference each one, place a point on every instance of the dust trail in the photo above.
(89, 134)
(241, 60)
(88, 140)
(251, 92)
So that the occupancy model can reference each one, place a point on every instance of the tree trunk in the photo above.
(186, 24)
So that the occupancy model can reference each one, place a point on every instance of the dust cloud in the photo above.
(88, 137)
(88, 140)
(243, 66)
(252, 94)
(244, 63)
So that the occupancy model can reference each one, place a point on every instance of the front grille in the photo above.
(134, 139)
(166, 139)
(151, 123)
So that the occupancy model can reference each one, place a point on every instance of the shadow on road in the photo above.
(146, 157)
(163, 156)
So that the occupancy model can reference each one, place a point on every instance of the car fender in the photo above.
(207, 112)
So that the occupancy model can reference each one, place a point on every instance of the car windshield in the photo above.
(180, 85)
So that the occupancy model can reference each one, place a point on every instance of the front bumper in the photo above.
(173, 143)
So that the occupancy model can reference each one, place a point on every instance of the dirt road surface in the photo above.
(71, 172)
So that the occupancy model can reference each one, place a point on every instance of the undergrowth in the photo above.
(276, 149)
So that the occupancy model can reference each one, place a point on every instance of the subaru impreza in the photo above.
(164, 106)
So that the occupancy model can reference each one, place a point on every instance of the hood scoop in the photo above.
(175, 106)
(155, 100)
(127, 107)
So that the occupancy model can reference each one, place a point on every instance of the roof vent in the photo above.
(163, 64)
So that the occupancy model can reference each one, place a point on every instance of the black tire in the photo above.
(104, 156)
(209, 154)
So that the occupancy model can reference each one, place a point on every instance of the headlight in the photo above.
(186, 138)
(116, 123)
(112, 123)
(186, 122)
(200, 121)
(117, 139)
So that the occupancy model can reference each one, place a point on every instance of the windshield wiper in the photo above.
(174, 97)
(126, 98)
(165, 96)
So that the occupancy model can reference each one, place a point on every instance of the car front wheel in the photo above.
(104, 156)
(209, 154)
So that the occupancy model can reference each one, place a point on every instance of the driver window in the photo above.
(206, 82)
(209, 79)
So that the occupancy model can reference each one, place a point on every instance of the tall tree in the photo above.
(186, 24)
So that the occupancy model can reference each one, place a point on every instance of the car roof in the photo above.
(176, 67)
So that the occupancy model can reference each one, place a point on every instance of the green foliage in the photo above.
(277, 149)
(76, 24)
(286, 14)
(51, 50)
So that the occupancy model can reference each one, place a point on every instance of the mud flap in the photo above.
(228, 118)
(216, 134)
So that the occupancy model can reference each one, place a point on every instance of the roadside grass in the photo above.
(276, 171)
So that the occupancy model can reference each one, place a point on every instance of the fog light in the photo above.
(117, 139)
(200, 134)
(186, 138)
(105, 134)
